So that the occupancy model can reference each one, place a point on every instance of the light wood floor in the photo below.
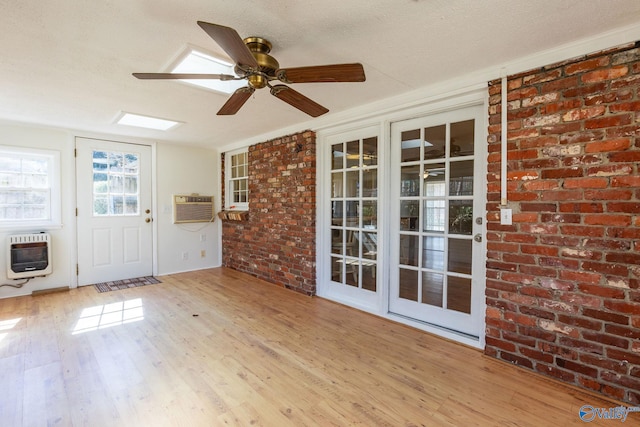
(218, 347)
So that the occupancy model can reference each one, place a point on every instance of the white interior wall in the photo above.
(186, 171)
(62, 238)
(179, 169)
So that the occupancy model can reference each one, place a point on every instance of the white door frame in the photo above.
(476, 95)
(154, 201)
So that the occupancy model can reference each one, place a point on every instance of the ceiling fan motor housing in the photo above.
(267, 64)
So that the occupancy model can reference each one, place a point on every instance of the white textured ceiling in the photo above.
(68, 63)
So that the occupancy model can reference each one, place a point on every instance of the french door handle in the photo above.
(478, 237)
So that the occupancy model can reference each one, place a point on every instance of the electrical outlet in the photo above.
(203, 253)
(185, 256)
(203, 237)
(506, 216)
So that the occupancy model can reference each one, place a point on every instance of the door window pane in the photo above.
(459, 256)
(370, 151)
(433, 253)
(369, 245)
(337, 156)
(353, 154)
(409, 211)
(369, 214)
(410, 181)
(336, 184)
(459, 294)
(353, 184)
(432, 288)
(462, 138)
(434, 216)
(115, 183)
(409, 250)
(461, 178)
(434, 142)
(337, 212)
(337, 244)
(411, 145)
(408, 284)
(353, 217)
(370, 183)
(461, 216)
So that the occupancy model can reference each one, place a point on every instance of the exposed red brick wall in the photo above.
(563, 281)
(277, 242)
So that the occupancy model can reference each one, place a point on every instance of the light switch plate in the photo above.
(506, 216)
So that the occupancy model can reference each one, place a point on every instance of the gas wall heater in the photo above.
(192, 208)
(29, 255)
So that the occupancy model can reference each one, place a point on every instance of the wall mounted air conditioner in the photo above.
(192, 208)
(29, 255)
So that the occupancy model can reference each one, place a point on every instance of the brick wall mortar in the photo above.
(563, 281)
(277, 242)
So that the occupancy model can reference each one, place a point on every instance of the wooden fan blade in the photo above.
(231, 42)
(322, 73)
(160, 76)
(237, 100)
(298, 100)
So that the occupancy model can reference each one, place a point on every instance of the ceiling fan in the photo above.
(253, 63)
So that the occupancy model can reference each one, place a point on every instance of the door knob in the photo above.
(478, 237)
(147, 220)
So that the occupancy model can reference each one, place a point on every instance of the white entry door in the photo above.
(115, 236)
(436, 220)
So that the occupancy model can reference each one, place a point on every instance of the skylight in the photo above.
(201, 63)
(130, 119)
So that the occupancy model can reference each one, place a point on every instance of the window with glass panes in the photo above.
(239, 180)
(26, 180)
(354, 213)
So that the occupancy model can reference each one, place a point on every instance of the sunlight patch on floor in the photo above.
(108, 315)
(5, 325)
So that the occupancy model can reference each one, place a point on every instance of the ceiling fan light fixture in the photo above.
(253, 63)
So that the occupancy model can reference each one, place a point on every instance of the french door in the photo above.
(114, 211)
(435, 221)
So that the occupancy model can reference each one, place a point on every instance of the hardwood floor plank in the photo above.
(218, 347)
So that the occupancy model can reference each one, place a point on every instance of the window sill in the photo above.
(233, 215)
(37, 226)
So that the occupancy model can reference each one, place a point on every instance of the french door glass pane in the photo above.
(369, 214)
(353, 154)
(459, 256)
(432, 288)
(433, 253)
(409, 250)
(459, 294)
(409, 211)
(370, 183)
(354, 213)
(336, 184)
(410, 181)
(461, 178)
(408, 284)
(462, 138)
(460, 216)
(337, 156)
(434, 142)
(353, 184)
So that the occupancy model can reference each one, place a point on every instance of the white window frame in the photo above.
(230, 204)
(54, 216)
